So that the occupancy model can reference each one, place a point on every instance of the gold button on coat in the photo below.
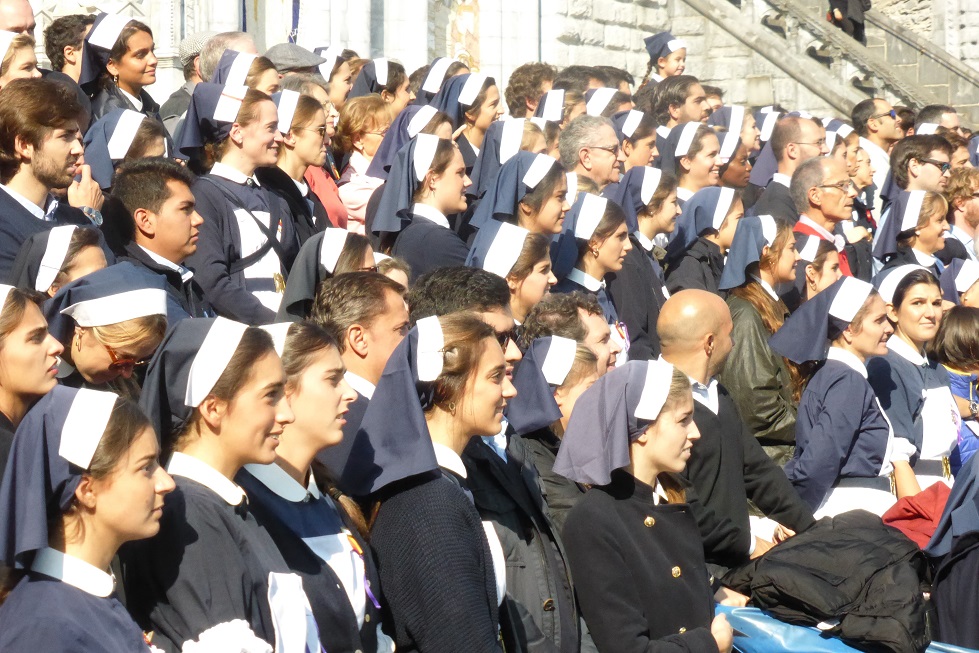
(649, 522)
(683, 630)
(676, 572)
(548, 605)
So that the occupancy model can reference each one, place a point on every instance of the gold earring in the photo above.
(115, 80)
(452, 407)
(595, 253)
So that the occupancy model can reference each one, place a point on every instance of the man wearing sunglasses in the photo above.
(922, 163)
(879, 128)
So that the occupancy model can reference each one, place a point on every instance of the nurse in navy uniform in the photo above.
(704, 232)
(248, 240)
(846, 455)
(83, 479)
(631, 540)
(472, 100)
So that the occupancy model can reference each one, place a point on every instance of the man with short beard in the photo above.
(40, 152)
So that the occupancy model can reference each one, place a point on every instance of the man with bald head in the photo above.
(727, 466)
(17, 16)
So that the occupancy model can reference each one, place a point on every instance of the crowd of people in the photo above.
(327, 355)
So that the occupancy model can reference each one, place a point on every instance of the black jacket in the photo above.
(727, 468)
(308, 213)
(954, 595)
(425, 246)
(777, 202)
(639, 570)
(860, 254)
(18, 224)
(850, 570)
(638, 292)
(111, 97)
(539, 449)
(187, 294)
(699, 267)
(537, 579)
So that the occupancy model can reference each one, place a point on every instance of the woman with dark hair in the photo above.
(28, 361)
(846, 456)
(761, 258)
(441, 567)
(648, 198)
(637, 137)
(83, 480)
(336, 71)
(215, 392)
(248, 240)
(118, 64)
(956, 347)
(691, 154)
(913, 388)
(320, 532)
(56, 257)
(704, 232)
(530, 191)
(473, 102)
(631, 539)
(386, 78)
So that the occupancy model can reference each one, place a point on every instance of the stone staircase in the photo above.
(792, 42)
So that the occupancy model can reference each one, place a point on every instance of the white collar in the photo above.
(961, 235)
(873, 149)
(848, 358)
(586, 280)
(656, 77)
(186, 274)
(302, 186)
(189, 467)
(683, 193)
(924, 260)
(705, 395)
(231, 174)
(449, 459)
(138, 103)
(430, 213)
(279, 482)
(905, 351)
(764, 284)
(779, 178)
(73, 571)
(819, 229)
(37, 211)
(646, 243)
(659, 494)
(363, 387)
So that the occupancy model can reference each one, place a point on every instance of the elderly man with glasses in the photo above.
(590, 149)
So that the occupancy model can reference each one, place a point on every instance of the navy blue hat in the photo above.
(98, 44)
(52, 449)
(114, 294)
(961, 514)
(974, 151)
(704, 211)
(408, 124)
(608, 416)
(517, 177)
(598, 99)
(458, 94)
(393, 442)
(805, 335)
(765, 119)
(316, 262)
(42, 256)
(433, 80)
(551, 106)
(184, 369)
(108, 141)
(626, 123)
(213, 110)
(661, 45)
(579, 223)
(888, 193)
(836, 128)
(233, 68)
(888, 279)
(408, 171)
(677, 145)
(544, 367)
(957, 277)
(373, 77)
(901, 216)
(750, 238)
(501, 142)
(730, 117)
(332, 57)
(765, 166)
(634, 192)
(497, 247)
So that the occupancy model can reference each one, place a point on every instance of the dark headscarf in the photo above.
(544, 367)
(677, 146)
(750, 238)
(704, 211)
(213, 110)
(407, 172)
(316, 262)
(407, 125)
(458, 94)
(373, 77)
(108, 141)
(901, 216)
(500, 144)
(98, 44)
(958, 277)
(517, 177)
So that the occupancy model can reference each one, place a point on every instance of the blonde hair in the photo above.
(359, 116)
(136, 332)
(17, 44)
(585, 363)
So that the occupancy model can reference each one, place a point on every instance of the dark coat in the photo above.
(638, 289)
(7, 430)
(639, 570)
(19, 224)
(308, 214)
(954, 593)
(538, 584)
(700, 267)
(187, 294)
(904, 256)
(777, 202)
(727, 468)
(860, 254)
(539, 449)
(425, 246)
(758, 379)
(111, 98)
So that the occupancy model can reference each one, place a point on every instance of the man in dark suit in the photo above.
(794, 141)
(40, 153)
(727, 466)
(367, 314)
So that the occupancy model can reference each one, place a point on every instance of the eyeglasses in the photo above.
(378, 133)
(892, 113)
(821, 143)
(372, 268)
(843, 186)
(614, 149)
(319, 130)
(944, 166)
(505, 337)
(122, 361)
